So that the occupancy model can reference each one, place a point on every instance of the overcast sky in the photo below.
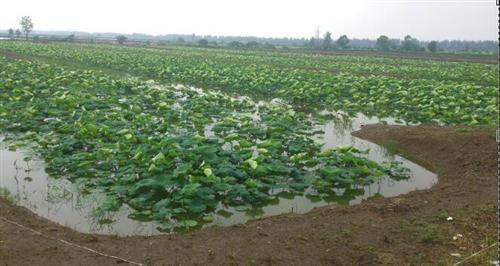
(423, 19)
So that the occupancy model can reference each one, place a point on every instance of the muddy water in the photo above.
(336, 133)
(58, 199)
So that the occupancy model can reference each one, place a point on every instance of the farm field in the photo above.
(182, 136)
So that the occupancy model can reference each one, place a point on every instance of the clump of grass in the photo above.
(6, 195)
(488, 241)
(89, 238)
(463, 130)
(344, 236)
(392, 147)
(424, 232)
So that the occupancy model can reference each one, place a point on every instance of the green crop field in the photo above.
(175, 153)
(413, 90)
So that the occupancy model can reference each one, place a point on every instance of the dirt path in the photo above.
(411, 229)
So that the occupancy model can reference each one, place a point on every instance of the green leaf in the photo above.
(159, 157)
(187, 223)
(182, 169)
(330, 171)
(110, 204)
(208, 172)
(253, 164)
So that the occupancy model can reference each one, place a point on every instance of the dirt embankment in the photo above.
(411, 229)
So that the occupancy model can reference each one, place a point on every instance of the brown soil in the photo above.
(411, 229)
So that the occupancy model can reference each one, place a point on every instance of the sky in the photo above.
(422, 19)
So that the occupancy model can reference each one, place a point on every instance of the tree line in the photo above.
(327, 42)
(408, 44)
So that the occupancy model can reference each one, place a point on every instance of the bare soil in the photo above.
(411, 229)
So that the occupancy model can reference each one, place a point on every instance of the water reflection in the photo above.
(60, 201)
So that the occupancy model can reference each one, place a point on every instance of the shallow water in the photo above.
(338, 133)
(58, 199)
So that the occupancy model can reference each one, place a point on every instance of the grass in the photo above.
(344, 236)
(392, 147)
(423, 231)
(476, 226)
(486, 257)
(6, 195)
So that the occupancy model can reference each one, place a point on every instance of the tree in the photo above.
(410, 44)
(18, 33)
(407, 43)
(327, 41)
(235, 44)
(69, 38)
(269, 46)
(312, 42)
(11, 33)
(432, 46)
(343, 42)
(383, 43)
(203, 42)
(26, 25)
(121, 39)
(252, 44)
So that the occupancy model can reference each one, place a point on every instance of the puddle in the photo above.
(59, 200)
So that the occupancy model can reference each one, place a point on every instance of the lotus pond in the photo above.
(414, 90)
(125, 156)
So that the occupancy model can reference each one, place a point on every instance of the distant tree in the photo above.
(269, 46)
(410, 44)
(343, 42)
(36, 38)
(406, 44)
(327, 41)
(252, 44)
(26, 25)
(18, 33)
(383, 43)
(121, 39)
(432, 46)
(11, 33)
(69, 38)
(180, 40)
(235, 44)
(312, 42)
(203, 42)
